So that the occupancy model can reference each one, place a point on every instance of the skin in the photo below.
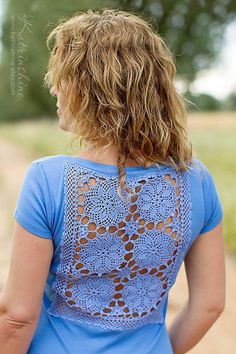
(205, 271)
(21, 297)
(65, 118)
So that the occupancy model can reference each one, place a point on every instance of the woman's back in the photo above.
(114, 261)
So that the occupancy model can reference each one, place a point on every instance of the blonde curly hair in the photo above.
(120, 75)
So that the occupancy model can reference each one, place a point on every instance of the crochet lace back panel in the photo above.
(119, 259)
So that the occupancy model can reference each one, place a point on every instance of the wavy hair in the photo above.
(121, 92)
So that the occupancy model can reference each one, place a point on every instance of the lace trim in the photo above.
(118, 260)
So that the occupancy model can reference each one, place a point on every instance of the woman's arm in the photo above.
(15, 335)
(205, 270)
(21, 297)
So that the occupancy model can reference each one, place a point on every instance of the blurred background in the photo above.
(202, 36)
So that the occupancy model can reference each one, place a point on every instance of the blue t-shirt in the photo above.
(114, 261)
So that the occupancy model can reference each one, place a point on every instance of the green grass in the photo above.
(39, 138)
(214, 146)
(217, 149)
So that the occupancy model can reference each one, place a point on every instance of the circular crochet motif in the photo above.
(119, 260)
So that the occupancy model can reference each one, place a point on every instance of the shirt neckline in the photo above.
(113, 168)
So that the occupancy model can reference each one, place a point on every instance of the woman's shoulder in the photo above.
(51, 167)
(204, 181)
(50, 163)
(50, 159)
(206, 184)
(199, 171)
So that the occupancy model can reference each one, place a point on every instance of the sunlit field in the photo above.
(212, 134)
(214, 141)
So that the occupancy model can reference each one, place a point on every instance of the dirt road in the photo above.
(220, 339)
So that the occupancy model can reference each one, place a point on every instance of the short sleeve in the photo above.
(34, 208)
(213, 206)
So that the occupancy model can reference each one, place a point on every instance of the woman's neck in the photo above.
(107, 156)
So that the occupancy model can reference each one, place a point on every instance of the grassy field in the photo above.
(212, 134)
(214, 142)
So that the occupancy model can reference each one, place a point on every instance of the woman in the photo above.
(116, 221)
